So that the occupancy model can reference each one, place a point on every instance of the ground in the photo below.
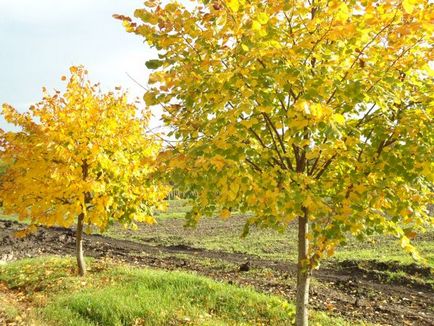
(46, 291)
(370, 282)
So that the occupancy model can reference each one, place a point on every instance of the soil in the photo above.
(353, 290)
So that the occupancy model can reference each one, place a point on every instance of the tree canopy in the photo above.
(80, 153)
(288, 106)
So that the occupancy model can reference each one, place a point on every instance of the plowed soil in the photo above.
(354, 290)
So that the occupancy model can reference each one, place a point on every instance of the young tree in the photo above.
(315, 111)
(82, 156)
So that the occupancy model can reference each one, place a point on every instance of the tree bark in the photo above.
(79, 233)
(79, 246)
(303, 277)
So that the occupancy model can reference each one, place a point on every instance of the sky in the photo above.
(41, 39)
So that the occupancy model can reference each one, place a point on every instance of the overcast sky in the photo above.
(41, 39)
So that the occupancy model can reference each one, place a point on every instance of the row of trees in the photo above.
(314, 111)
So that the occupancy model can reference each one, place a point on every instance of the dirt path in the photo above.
(344, 289)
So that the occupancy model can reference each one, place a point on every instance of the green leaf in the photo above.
(154, 64)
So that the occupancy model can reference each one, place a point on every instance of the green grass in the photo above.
(120, 295)
(386, 249)
(9, 217)
(176, 208)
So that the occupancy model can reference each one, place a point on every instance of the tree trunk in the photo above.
(303, 278)
(79, 234)
(79, 246)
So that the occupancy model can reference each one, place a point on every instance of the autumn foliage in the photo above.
(82, 156)
(316, 111)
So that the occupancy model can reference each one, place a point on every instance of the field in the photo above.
(317, 116)
(370, 282)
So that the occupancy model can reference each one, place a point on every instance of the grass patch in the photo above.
(385, 249)
(10, 217)
(114, 294)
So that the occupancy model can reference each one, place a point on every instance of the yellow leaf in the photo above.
(409, 5)
(360, 188)
(298, 123)
(244, 47)
(309, 203)
(225, 213)
(256, 26)
(316, 110)
(218, 161)
(356, 228)
(275, 44)
(311, 155)
(221, 20)
(405, 242)
(263, 18)
(342, 12)
(251, 199)
(128, 27)
(330, 251)
(233, 190)
(339, 118)
(234, 5)
(265, 109)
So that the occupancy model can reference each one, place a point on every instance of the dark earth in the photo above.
(353, 290)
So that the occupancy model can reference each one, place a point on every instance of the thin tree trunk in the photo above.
(303, 278)
(79, 233)
(79, 246)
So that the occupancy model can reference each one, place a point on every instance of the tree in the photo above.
(314, 111)
(82, 156)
